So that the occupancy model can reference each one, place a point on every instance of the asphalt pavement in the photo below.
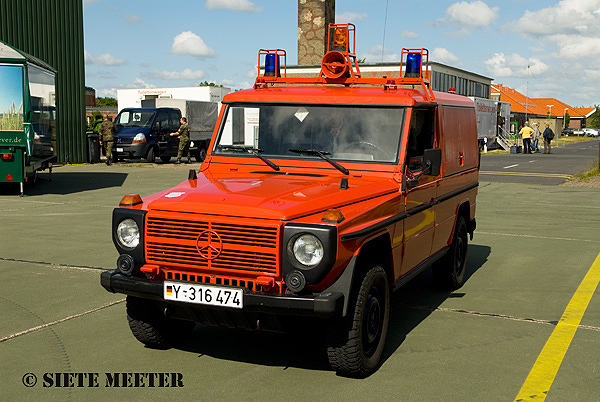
(540, 168)
(534, 244)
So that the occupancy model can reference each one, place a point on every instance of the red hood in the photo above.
(267, 196)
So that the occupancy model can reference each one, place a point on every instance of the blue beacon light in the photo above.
(272, 65)
(413, 65)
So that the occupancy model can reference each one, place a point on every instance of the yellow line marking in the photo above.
(529, 174)
(546, 366)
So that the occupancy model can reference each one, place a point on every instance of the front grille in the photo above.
(213, 245)
(208, 279)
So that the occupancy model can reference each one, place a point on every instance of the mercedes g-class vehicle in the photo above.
(319, 196)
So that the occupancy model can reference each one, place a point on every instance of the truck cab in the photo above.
(144, 133)
(319, 196)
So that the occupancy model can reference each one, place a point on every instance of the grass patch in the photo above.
(587, 175)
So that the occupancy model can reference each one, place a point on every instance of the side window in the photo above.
(174, 121)
(421, 137)
(163, 120)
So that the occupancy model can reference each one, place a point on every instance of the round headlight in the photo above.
(128, 233)
(308, 250)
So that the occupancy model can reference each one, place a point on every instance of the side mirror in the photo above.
(432, 161)
(431, 166)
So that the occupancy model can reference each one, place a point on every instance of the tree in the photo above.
(106, 102)
(209, 84)
(594, 119)
(567, 118)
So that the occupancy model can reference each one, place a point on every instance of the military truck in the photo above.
(319, 196)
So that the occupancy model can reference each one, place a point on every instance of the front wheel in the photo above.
(150, 156)
(355, 344)
(151, 327)
(449, 271)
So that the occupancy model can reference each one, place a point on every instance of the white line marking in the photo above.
(49, 324)
(511, 166)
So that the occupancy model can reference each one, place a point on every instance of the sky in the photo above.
(542, 48)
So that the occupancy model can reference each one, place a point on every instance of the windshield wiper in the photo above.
(251, 151)
(323, 155)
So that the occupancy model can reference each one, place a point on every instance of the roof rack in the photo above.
(339, 66)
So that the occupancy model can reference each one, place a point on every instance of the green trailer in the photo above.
(27, 116)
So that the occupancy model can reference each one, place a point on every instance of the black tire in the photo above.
(200, 155)
(355, 343)
(165, 159)
(150, 156)
(149, 325)
(449, 271)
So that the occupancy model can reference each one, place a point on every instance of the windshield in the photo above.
(135, 118)
(345, 133)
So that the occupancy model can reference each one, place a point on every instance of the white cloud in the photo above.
(514, 65)
(132, 19)
(188, 42)
(186, 74)
(579, 17)
(468, 16)
(442, 55)
(103, 60)
(235, 5)
(409, 35)
(350, 17)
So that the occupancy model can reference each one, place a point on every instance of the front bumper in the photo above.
(323, 305)
(137, 150)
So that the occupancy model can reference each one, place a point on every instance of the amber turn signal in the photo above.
(130, 200)
(333, 216)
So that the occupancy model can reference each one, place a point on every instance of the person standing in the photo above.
(107, 131)
(535, 136)
(525, 133)
(548, 136)
(184, 140)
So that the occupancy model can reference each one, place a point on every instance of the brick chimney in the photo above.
(314, 16)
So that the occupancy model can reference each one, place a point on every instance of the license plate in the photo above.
(204, 294)
(119, 149)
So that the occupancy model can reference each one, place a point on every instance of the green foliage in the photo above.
(567, 119)
(209, 84)
(106, 102)
(362, 61)
(594, 120)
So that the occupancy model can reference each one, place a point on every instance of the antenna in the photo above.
(384, 26)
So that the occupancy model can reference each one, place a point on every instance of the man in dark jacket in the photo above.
(548, 136)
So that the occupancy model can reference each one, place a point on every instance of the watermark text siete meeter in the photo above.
(106, 380)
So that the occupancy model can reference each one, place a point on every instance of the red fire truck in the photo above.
(319, 196)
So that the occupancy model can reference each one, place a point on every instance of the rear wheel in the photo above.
(151, 327)
(449, 271)
(355, 344)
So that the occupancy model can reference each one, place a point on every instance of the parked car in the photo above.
(567, 131)
(578, 132)
(591, 132)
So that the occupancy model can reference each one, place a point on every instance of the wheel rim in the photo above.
(372, 322)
